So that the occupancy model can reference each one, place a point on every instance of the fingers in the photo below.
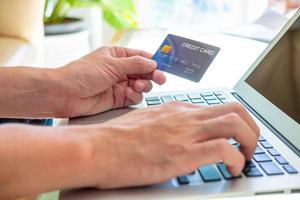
(215, 111)
(145, 85)
(135, 65)
(214, 151)
(127, 52)
(132, 97)
(226, 121)
(142, 86)
(204, 113)
(230, 126)
(157, 76)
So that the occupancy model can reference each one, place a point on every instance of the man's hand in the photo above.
(108, 78)
(146, 146)
(155, 144)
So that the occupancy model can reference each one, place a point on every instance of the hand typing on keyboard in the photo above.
(155, 144)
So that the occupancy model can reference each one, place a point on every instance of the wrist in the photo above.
(80, 161)
(31, 92)
(52, 91)
(70, 90)
(58, 92)
(101, 155)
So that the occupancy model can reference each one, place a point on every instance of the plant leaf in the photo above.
(117, 13)
(120, 13)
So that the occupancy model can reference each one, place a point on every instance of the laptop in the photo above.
(270, 90)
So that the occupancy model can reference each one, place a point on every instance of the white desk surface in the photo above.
(235, 57)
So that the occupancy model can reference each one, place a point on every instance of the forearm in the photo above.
(39, 159)
(31, 93)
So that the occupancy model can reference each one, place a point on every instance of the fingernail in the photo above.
(141, 86)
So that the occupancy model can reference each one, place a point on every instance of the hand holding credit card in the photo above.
(185, 58)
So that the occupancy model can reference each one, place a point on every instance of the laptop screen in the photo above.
(277, 77)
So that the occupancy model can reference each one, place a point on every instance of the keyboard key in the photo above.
(207, 98)
(232, 141)
(192, 173)
(237, 146)
(213, 102)
(252, 172)
(266, 145)
(153, 103)
(166, 99)
(281, 160)
(209, 173)
(220, 95)
(290, 169)
(225, 101)
(197, 101)
(259, 150)
(152, 99)
(222, 99)
(195, 96)
(206, 94)
(181, 97)
(262, 158)
(225, 173)
(273, 152)
(271, 168)
(183, 180)
(249, 163)
(185, 101)
(261, 139)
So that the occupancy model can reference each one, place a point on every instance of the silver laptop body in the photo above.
(269, 78)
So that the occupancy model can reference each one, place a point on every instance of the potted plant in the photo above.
(117, 13)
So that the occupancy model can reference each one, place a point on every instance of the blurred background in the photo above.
(75, 27)
(85, 25)
(51, 33)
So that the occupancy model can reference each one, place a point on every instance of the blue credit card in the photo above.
(185, 58)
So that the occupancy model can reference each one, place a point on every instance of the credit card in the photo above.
(184, 57)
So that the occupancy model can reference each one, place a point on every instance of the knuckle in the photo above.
(137, 60)
(142, 52)
(222, 147)
(116, 70)
(238, 107)
(148, 85)
(232, 118)
(117, 51)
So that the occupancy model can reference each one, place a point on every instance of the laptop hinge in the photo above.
(267, 124)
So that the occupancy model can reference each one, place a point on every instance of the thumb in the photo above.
(135, 65)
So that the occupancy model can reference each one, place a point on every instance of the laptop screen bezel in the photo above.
(285, 125)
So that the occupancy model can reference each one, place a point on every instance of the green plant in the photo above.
(117, 13)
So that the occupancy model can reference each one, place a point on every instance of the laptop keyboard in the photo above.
(267, 161)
